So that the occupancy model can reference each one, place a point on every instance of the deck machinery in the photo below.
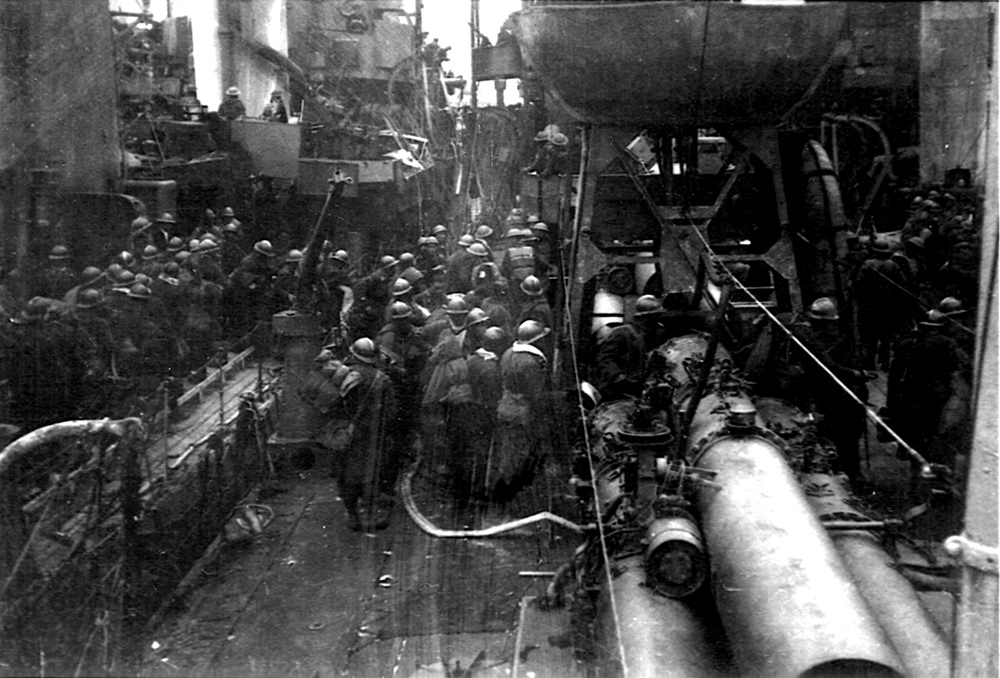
(722, 543)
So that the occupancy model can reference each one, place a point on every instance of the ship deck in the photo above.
(308, 597)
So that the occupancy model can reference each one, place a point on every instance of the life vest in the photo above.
(521, 262)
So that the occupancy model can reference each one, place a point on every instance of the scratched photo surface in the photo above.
(473, 338)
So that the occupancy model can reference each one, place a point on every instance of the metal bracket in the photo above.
(972, 553)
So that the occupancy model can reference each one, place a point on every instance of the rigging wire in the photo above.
(916, 456)
(571, 334)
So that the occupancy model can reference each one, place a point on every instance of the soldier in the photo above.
(58, 278)
(522, 418)
(251, 294)
(882, 304)
(621, 355)
(97, 346)
(152, 261)
(460, 265)
(275, 109)
(231, 107)
(447, 395)
(287, 278)
(441, 235)
(520, 261)
(205, 260)
(483, 366)
(406, 352)
(91, 278)
(371, 296)
(367, 472)
(428, 255)
(404, 292)
(536, 306)
(841, 419)
(927, 401)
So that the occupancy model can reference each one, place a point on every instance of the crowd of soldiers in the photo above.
(80, 344)
(451, 341)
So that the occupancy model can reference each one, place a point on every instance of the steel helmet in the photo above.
(89, 299)
(182, 255)
(540, 226)
(175, 244)
(531, 286)
(233, 92)
(950, 306)
(264, 247)
(90, 274)
(172, 269)
(113, 271)
(399, 310)
(387, 261)
(58, 253)
(647, 304)
(476, 316)
(400, 287)
(364, 350)
(150, 252)
(143, 278)
(193, 244)
(125, 258)
(341, 255)
(478, 249)
(294, 256)
(934, 318)
(425, 240)
(228, 212)
(484, 232)
(494, 339)
(456, 305)
(823, 308)
(405, 260)
(531, 331)
(560, 139)
(439, 229)
(140, 224)
(207, 245)
(139, 291)
(125, 279)
(166, 218)
(465, 240)
(881, 246)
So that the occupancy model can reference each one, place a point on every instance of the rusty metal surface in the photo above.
(679, 62)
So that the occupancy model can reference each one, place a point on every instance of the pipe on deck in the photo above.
(787, 603)
(661, 636)
(918, 640)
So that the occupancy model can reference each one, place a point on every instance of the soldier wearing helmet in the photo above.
(460, 265)
(231, 107)
(520, 262)
(523, 416)
(622, 351)
(253, 296)
(367, 472)
(447, 398)
(429, 255)
(405, 352)
(57, 278)
(91, 278)
(884, 307)
(483, 366)
(842, 418)
(928, 400)
(534, 306)
(371, 295)
(275, 110)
